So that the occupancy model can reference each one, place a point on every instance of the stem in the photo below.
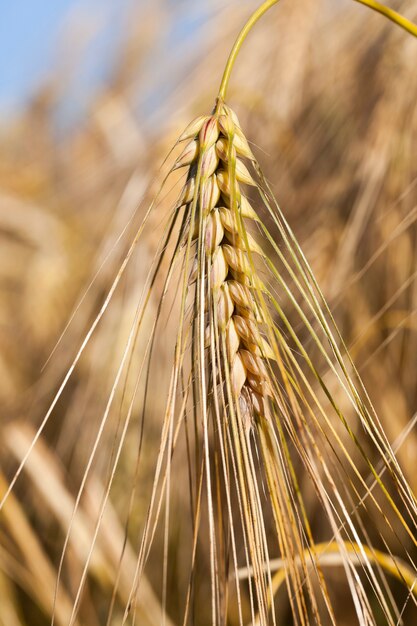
(392, 15)
(238, 44)
(328, 554)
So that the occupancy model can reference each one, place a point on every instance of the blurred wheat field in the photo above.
(326, 96)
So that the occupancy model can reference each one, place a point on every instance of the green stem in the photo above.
(238, 44)
(391, 15)
(372, 4)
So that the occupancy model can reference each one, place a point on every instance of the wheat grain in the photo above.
(219, 143)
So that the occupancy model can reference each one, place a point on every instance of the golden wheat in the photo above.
(229, 284)
(262, 379)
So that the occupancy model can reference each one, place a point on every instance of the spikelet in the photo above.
(221, 147)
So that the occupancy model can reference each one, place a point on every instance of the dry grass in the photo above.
(333, 110)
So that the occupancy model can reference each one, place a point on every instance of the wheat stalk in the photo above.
(249, 390)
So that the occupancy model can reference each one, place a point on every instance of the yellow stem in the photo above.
(238, 44)
(392, 15)
(323, 553)
(396, 567)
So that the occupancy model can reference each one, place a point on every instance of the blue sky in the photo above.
(40, 38)
(31, 33)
